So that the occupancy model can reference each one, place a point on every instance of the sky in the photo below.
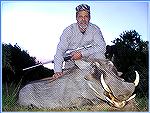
(36, 26)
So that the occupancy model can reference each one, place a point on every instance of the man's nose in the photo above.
(83, 18)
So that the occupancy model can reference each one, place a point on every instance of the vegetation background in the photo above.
(129, 53)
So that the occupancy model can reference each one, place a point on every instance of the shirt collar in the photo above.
(78, 31)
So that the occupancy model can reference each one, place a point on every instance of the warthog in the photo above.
(88, 83)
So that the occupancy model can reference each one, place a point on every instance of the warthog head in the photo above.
(107, 84)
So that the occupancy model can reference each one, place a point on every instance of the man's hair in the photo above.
(82, 7)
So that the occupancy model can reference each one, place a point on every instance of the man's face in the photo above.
(83, 19)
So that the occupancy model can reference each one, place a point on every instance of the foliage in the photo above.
(37, 73)
(129, 54)
(142, 103)
(6, 63)
(6, 57)
(14, 60)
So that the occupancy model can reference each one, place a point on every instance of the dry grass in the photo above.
(103, 107)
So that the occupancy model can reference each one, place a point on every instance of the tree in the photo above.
(15, 60)
(6, 58)
(8, 70)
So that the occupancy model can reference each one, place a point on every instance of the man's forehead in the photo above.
(83, 12)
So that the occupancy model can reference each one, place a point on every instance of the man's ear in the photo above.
(76, 15)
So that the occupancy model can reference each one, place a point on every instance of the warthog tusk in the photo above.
(104, 84)
(117, 104)
(133, 96)
(109, 100)
(93, 88)
(136, 82)
(120, 104)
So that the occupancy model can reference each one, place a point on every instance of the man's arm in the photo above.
(61, 48)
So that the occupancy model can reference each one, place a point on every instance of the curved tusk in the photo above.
(133, 96)
(92, 87)
(109, 100)
(97, 93)
(116, 104)
(136, 82)
(104, 84)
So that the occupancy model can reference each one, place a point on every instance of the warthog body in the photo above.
(79, 87)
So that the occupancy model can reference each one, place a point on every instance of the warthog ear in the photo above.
(111, 65)
(113, 68)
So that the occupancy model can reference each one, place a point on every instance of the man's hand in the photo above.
(57, 75)
(76, 55)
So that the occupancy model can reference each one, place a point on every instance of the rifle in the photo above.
(67, 56)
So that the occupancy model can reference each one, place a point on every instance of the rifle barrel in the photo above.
(52, 61)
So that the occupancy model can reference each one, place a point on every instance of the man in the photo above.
(77, 35)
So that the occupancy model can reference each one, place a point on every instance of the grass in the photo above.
(9, 102)
(142, 103)
(25, 109)
(9, 99)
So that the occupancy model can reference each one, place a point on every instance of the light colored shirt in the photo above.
(72, 38)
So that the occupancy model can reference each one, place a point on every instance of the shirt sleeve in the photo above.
(98, 48)
(61, 48)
